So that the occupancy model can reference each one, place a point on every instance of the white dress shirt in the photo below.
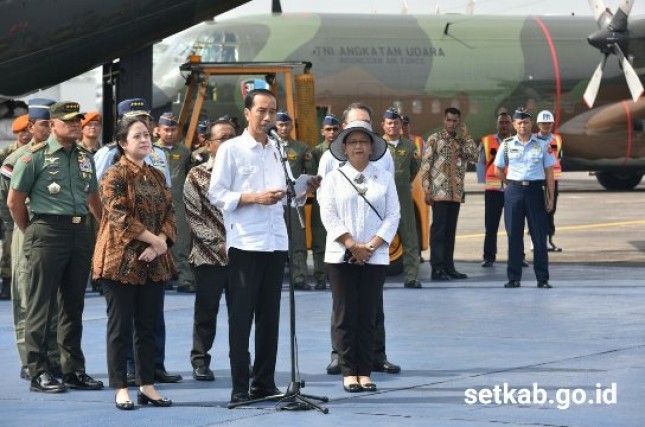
(343, 210)
(243, 165)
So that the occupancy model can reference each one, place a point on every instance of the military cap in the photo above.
(405, 119)
(133, 107)
(330, 120)
(379, 146)
(39, 108)
(91, 116)
(282, 116)
(21, 123)
(391, 113)
(521, 113)
(168, 119)
(66, 110)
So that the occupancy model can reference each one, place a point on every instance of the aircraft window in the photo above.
(217, 47)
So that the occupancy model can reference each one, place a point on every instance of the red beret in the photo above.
(91, 116)
(20, 124)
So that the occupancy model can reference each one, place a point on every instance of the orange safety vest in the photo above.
(419, 142)
(491, 145)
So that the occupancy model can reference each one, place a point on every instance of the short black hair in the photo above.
(250, 97)
(452, 110)
(209, 128)
(123, 127)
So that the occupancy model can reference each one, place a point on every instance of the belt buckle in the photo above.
(76, 219)
(525, 183)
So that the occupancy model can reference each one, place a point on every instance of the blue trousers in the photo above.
(526, 203)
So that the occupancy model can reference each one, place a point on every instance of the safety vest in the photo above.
(419, 142)
(556, 145)
(491, 145)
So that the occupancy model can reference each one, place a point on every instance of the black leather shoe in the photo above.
(130, 379)
(24, 373)
(352, 388)
(387, 367)
(46, 383)
(128, 405)
(333, 368)
(413, 284)
(525, 263)
(162, 402)
(260, 392)
(544, 284)
(240, 397)
(203, 373)
(454, 274)
(79, 380)
(487, 263)
(512, 284)
(302, 286)
(161, 376)
(368, 386)
(439, 275)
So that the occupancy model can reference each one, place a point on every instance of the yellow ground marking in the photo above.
(567, 228)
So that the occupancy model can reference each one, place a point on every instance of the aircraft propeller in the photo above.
(612, 38)
(276, 7)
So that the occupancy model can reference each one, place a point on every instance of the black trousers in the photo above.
(493, 208)
(255, 285)
(380, 356)
(210, 282)
(160, 340)
(442, 235)
(355, 294)
(59, 256)
(526, 204)
(131, 307)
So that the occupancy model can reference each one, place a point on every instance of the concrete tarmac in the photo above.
(573, 355)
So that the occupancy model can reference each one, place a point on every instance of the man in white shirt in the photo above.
(248, 184)
(359, 111)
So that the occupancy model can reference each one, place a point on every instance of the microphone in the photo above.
(272, 131)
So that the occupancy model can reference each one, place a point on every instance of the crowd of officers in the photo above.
(50, 179)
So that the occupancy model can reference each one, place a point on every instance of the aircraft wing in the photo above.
(45, 43)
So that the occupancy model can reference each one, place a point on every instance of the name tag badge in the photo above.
(175, 157)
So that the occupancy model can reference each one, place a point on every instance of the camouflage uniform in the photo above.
(7, 224)
(178, 158)
(318, 231)
(300, 161)
(406, 166)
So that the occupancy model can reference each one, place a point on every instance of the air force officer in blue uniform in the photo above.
(525, 164)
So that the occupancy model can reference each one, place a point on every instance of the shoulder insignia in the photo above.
(26, 159)
(509, 139)
(37, 147)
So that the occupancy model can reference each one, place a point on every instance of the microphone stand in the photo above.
(293, 399)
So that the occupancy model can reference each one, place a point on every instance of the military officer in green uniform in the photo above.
(20, 271)
(59, 179)
(329, 131)
(406, 166)
(179, 162)
(300, 161)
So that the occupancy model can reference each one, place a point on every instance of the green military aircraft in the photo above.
(423, 64)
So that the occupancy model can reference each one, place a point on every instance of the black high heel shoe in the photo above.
(144, 400)
(124, 406)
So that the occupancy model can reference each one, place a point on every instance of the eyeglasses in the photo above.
(357, 142)
(222, 139)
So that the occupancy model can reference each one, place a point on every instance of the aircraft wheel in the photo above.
(623, 181)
